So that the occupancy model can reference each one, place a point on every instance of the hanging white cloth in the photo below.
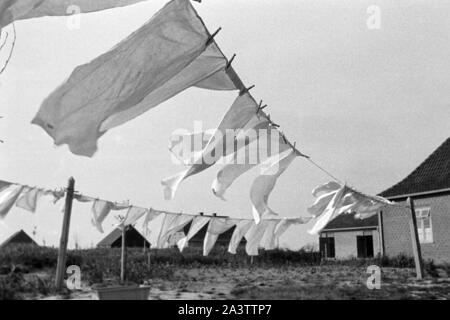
(237, 165)
(8, 196)
(101, 209)
(151, 214)
(263, 185)
(164, 57)
(172, 223)
(237, 116)
(133, 215)
(28, 199)
(185, 146)
(13, 10)
(268, 241)
(239, 232)
(254, 236)
(343, 200)
(216, 227)
(197, 224)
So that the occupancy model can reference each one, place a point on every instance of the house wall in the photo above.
(345, 242)
(397, 238)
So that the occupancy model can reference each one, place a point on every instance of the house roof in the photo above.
(348, 221)
(431, 175)
(17, 238)
(114, 235)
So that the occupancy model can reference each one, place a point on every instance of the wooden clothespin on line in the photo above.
(230, 62)
(211, 37)
(245, 90)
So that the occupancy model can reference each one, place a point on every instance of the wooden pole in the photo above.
(62, 253)
(381, 233)
(123, 264)
(415, 240)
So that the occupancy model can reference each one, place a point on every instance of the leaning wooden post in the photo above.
(415, 240)
(123, 262)
(61, 266)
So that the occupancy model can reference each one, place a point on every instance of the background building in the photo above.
(429, 186)
(347, 237)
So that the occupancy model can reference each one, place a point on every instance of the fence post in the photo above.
(123, 262)
(415, 240)
(62, 253)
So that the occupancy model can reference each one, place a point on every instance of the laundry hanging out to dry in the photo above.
(170, 53)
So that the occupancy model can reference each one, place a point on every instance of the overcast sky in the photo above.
(367, 104)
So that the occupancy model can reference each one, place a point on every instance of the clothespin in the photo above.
(273, 124)
(245, 90)
(229, 62)
(211, 37)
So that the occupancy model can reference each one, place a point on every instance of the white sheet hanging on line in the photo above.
(185, 146)
(151, 214)
(343, 200)
(197, 224)
(164, 57)
(265, 182)
(101, 209)
(216, 227)
(239, 232)
(237, 116)
(133, 215)
(235, 166)
(172, 223)
(8, 196)
(254, 236)
(28, 199)
(13, 10)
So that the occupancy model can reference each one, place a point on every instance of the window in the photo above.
(424, 227)
(364, 246)
(326, 245)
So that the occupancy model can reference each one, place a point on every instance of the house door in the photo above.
(364, 245)
(327, 247)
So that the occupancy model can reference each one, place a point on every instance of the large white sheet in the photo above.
(164, 57)
(237, 116)
(13, 10)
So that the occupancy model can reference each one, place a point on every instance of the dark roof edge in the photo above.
(417, 194)
(349, 229)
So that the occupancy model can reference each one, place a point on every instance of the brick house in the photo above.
(429, 186)
(346, 237)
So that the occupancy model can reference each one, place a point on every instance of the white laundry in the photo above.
(172, 223)
(13, 10)
(8, 197)
(268, 241)
(239, 232)
(235, 166)
(164, 57)
(237, 116)
(28, 199)
(343, 200)
(197, 224)
(216, 227)
(185, 146)
(151, 214)
(133, 215)
(101, 209)
(254, 236)
(263, 185)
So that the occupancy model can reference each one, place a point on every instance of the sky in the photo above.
(367, 104)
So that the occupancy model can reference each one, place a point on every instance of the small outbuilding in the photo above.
(349, 237)
(133, 238)
(18, 238)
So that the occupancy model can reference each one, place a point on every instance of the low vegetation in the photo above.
(28, 272)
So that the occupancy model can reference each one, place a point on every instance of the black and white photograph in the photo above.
(223, 155)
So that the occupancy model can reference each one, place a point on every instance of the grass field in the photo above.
(28, 273)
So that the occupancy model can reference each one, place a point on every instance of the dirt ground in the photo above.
(290, 282)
